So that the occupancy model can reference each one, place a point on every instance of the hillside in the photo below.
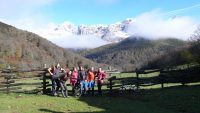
(133, 52)
(23, 49)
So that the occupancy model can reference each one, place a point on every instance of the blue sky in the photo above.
(111, 11)
(154, 18)
(91, 11)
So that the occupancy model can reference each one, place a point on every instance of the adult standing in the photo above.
(63, 81)
(82, 77)
(54, 72)
(73, 78)
(91, 82)
(101, 76)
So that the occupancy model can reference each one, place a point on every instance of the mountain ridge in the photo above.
(111, 33)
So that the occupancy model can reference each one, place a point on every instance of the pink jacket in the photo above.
(74, 76)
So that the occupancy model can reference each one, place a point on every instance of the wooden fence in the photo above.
(11, 80)
(183, 76)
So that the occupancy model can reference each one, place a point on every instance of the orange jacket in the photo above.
(90, 76)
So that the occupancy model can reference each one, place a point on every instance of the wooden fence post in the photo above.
(7, 82)
(110, 85)
(7, 86)
(137, 78)
(162, 85)
(161, 80)
(44, 83)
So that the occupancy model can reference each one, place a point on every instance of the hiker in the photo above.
(63, 80)
(82, 77)
(91, 80)
(101, 76)
(73, 78)
(54, 72)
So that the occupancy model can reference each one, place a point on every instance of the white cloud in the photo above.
(24, 14)
(151, 25)
(69, 40)
(84, 41)
(154, 25)
(27, 15)
(21, 8)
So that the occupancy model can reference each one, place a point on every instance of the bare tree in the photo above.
(195, 37)
(195, 44)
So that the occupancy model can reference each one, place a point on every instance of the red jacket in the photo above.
(101, 76)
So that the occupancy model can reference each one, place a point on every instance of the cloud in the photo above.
(27, 15)
(24, 14)
(21, 8)
(154, 25)
(78, 41)
(67, 39)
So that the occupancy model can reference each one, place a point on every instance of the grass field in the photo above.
(182, 99)
(176, 99)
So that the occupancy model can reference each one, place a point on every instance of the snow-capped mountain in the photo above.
(111, 33)
(148, 25)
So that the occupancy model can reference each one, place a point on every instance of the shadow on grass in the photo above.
(49, 111)
(175, 99)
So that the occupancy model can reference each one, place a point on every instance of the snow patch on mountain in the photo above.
(150, 25)
(110, 33)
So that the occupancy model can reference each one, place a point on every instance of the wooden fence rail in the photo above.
(9, 82)
(9, 78)
(166, 76)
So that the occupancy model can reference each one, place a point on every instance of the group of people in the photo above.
(77, 76)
